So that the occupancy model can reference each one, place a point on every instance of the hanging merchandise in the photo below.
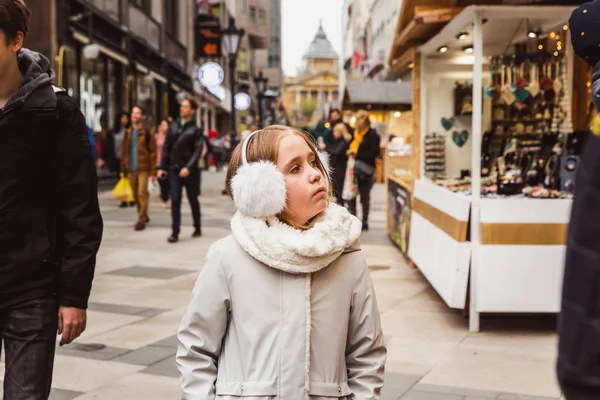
(507, 91)
(534, 81)
(448, 123)
(520, 86)
(460, 138)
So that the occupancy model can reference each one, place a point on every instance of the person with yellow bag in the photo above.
(138, 163)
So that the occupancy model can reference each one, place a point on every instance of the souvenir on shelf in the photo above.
(435, 155)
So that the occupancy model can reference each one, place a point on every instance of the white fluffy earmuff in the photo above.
(258, 187)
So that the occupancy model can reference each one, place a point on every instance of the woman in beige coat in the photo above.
(284, 308)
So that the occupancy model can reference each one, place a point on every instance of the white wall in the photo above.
(440, 103)
(384, 18)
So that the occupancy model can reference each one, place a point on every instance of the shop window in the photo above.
(171, 17)
(253, 13)
(145, 5)
(92, 97)
(69, 69)
(145, 96)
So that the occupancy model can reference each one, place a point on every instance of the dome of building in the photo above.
(320, 47)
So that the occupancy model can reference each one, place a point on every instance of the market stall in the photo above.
(492, 203)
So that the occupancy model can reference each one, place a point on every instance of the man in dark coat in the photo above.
(578, 363)
(50, 222)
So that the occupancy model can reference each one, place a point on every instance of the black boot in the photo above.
(173, 239)
(197, 233)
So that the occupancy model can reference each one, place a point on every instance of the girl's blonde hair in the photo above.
(265, 146)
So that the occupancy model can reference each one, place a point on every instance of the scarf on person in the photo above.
(358, 138)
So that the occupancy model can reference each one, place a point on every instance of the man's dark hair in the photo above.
(193, 103)
(14, 18)
(142, 109)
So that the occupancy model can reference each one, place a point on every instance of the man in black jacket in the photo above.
(181, 153)
(579, 323)
(50, 222)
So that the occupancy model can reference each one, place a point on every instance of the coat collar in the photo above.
(282, 247)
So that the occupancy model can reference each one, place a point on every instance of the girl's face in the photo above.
(306, 187)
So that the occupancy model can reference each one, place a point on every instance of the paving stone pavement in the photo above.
(143, 284)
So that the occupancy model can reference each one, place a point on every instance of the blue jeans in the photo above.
(28, 331)
(192, 188)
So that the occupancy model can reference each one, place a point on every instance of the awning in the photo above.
(378, 95)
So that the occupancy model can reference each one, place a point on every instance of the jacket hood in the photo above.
(36, 72)
(282, 247)
(596, 86)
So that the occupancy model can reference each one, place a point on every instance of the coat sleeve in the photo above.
(365, 349)
(193, 161)
(78, 220)
(125, 149)
(152, 154)
(166, 152)
(202, 330)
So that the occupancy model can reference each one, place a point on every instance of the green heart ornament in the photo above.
(447, 123)
(460, 138)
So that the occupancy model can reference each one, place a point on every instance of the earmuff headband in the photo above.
(245, 147)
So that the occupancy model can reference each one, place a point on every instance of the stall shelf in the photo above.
(511, 255)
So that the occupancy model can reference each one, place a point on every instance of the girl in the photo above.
(284, 308)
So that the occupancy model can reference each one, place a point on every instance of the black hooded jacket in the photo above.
(579, 324)
(50, 222)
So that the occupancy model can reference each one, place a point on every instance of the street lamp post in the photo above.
(261, 86)
(232, 37)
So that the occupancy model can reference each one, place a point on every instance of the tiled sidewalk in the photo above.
(142, 288)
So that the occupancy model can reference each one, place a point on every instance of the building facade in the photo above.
(308, 96)
(112, 54)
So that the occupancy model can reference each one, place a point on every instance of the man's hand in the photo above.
(100, 163)
(184, 173)
(161, 173)
(71, 323)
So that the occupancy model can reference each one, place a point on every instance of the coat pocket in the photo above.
(327, 390)
(247, 390)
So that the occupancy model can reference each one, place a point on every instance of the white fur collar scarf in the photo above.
(282, 247)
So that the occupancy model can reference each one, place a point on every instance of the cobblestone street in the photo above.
(143, 284)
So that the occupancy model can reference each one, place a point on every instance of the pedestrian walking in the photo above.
(578, 362)
(160, 137)
(338, 159)
(364, 150)
(112, 146)
(285, 306)
(50, 222)
(218, 148)
(181, 153)
(138, 162)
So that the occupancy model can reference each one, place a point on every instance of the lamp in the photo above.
(232, 37)
(261, 86)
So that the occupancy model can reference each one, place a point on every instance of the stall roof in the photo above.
(377, 93)
(504, 26)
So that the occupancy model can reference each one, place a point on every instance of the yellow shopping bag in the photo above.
(123, 190)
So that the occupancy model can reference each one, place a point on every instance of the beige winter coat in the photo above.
(245, 332)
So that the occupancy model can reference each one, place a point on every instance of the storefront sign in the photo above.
(399, 209)
(207, 33)
(211, 74)
(242, 101)
(90, 103)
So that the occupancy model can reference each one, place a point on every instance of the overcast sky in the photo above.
(299, 24)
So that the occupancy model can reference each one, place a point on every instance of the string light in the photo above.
(557, 37)
(559, 48)
(589, 84)
(556, 54)
(541, 47)
(552, 35)
(559, 43)
(565, 27)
